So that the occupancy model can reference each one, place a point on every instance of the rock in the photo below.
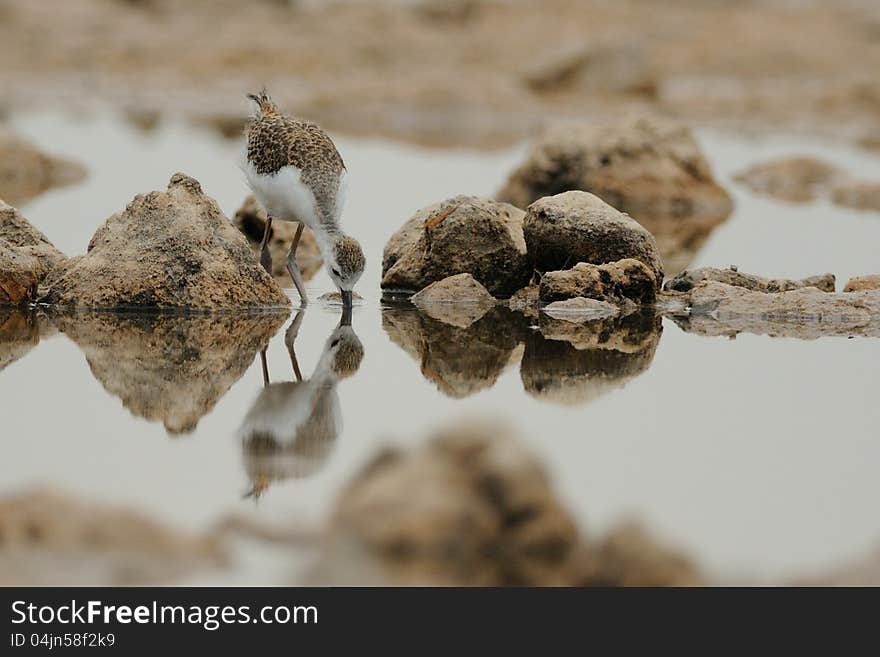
(26, 172)
(571, 363)
(165, 367)
(24, 238)
(335, 297)
(608, 68)
(20, 275)
(52, 539)
(806, 313)
(465, 234)
(576, 227)
(458, 300)
(795, 179)
(473, 507)
(861, 283)
(653, 171)
(629, 556)
(616, 282)
(526, 301)
(460, 361)
(250, 219)
(857, 194)
(690, 278)
(580, 309)
(171, 249)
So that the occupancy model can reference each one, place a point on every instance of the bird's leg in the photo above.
(265, 255)
(265, 367)
(293, 268)
(290, 338)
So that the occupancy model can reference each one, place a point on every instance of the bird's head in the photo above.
(345, 264)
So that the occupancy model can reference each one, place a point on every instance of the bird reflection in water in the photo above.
(291, 429)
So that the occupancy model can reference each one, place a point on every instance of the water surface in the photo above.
(756, 456)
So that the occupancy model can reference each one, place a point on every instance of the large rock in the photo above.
(26, 172)
(250, 219)
(465, 234)
(172, 249)
(52, 539)
(793, 179)
(806, 313)
(18, 231)
(621, 281)
(474, 507)
(575, 227)
(690, 278)
(653, 171)
(573, 363)
(459, 360)
(165, 367)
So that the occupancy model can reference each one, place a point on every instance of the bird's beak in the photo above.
(346, 309)
(346, 298)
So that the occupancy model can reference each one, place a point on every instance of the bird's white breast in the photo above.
(283, 194)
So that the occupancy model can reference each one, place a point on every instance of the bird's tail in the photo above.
(266, 105)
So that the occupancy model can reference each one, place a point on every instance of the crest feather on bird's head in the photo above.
(264, 102)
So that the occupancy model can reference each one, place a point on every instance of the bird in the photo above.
(292, 426)
(297, 175)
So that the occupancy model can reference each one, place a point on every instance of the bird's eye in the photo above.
(335, 272)
(334, 343)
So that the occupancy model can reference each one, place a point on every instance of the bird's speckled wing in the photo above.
(276, 141)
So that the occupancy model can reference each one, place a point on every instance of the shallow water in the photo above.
(756, 456)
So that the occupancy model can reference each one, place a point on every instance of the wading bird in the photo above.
(297, 174)
(292, 426)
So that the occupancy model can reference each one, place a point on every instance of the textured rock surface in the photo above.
(464, 234)
(653, 171)
(795, 179)
(807, 313)
(20, 275)
(250, 219)
(169, 368)
(26, 257)
(52, 539)
(575, 227)
(459, 361)
(171, 249)
(572, 363)
(580, 309)
(690, 278)
(616, 282)
(860, 283)
(857, 194)
(474, 507)
(26, 172)
(459, 300)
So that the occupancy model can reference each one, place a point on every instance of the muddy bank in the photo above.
(27, 172)
(474, 507)
(169, 368)
(54, 539)
(416, 74)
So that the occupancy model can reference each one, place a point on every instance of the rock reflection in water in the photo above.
(291, 429)
(459, 361)
(574, 363)
(567, 362)
(20, 331)
(169, 368)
